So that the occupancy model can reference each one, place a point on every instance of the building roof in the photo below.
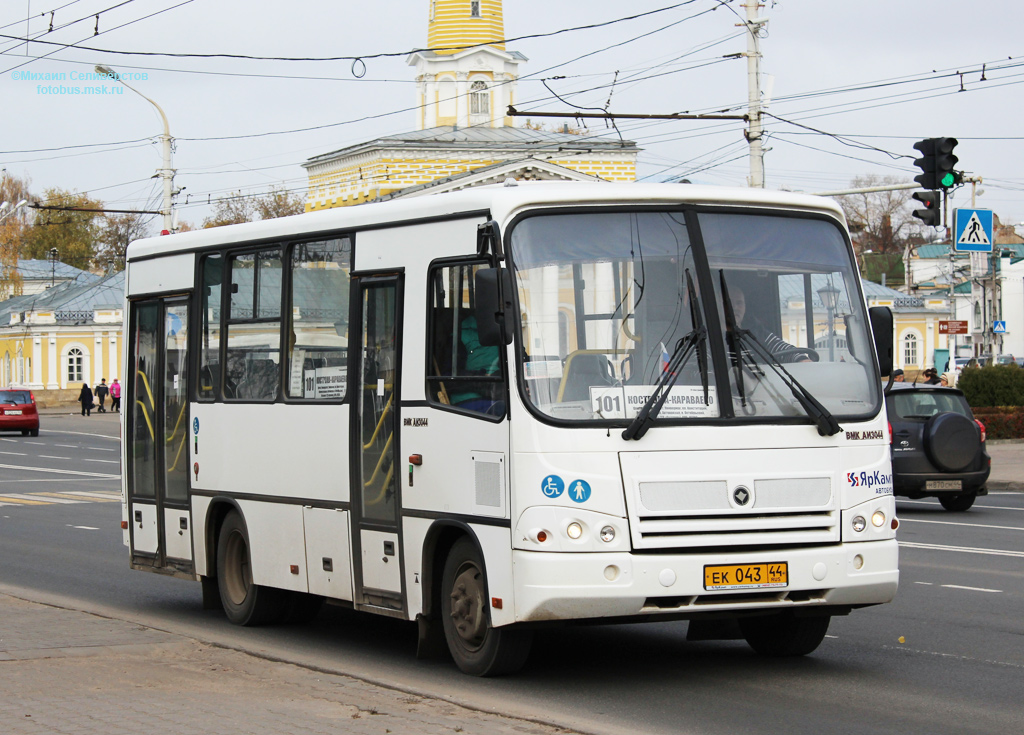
(72, 302)
(504, 139)
(941, 250)
(44, 270)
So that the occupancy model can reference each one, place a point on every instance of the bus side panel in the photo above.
(173, 273)
(496, 544)
(328, 552)
(276, 544)
(200, 517)
(283, 451)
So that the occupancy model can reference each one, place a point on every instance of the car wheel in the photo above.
(24, 432)
(477, 648)
(784, 634)
(244, 603)
(958, 503)
(34, 432)
(951, 441)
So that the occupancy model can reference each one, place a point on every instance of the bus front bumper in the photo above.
(567, 586)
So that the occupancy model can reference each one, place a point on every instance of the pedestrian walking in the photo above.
(85, 398)
(101, 395)
(115, 396)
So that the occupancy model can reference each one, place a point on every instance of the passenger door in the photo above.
(157, 431)
(376, 498)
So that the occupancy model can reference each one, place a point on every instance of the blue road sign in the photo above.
(552, 486)
(973, 231)
(999, 327)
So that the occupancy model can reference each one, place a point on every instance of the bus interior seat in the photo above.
(583, 370)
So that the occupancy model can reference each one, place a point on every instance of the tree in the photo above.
(116, 233)
(235, 209)
(13, 230)
(881, 226)
(72, 233)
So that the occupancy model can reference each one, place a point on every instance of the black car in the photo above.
(938, 447)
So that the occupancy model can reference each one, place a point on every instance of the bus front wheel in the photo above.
(477, 648)
(784, 634)
(244, 603)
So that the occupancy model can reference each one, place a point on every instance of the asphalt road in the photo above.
(945, 657)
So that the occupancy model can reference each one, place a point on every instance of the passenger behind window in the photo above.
(477, 359)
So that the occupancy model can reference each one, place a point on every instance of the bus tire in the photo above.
(477, 648)
(784, 634)
(244, 603)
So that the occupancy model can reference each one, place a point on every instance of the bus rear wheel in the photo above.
(784, 634)
(477, 648)
(244, 603)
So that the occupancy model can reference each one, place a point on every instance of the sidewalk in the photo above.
(66, 671)
(1007, 465)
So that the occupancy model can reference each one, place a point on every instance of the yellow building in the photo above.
(52, 342)
(465, 81)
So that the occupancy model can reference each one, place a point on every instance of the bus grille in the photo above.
(771, 512)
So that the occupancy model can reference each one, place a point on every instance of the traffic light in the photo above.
(936, 163)
(930, 215)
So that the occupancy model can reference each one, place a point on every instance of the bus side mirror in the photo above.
(881, 328)
(494, 306)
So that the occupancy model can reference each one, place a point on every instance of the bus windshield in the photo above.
(607, 309)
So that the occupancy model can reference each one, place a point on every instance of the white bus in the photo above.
(512, 406)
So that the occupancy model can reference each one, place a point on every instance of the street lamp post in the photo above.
(3, 207)
(166, 173)
(830, 298)
(53, 266)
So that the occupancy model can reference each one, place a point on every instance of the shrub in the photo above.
(1002, 422)
(993, 385)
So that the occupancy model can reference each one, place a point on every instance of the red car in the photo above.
(18, 411)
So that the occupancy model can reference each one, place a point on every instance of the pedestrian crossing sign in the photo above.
(973, 230)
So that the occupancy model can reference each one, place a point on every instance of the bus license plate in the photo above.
(943, 485)
(746, 576)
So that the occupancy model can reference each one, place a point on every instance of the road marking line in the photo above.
(81, 433)
(972, 589)
(34, 496)
(963, 549)
(94, 494)
(954, 523)
(929, 584)
(58, 472)
(69, 446)
(50, 456)
(84, 528)
(978, 505)
(117, 461)
(17, 454)
(69, 498)
(15, 501)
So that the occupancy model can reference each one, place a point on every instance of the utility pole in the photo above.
(754, 129)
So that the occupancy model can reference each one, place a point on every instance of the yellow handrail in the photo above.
(145, 382)
(380, 422)
(380, 462)
(184, 438)
(152, 433)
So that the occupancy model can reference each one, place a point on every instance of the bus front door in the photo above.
(156, 435)
(376, 503)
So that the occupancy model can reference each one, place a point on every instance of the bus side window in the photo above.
(461, 372)
(317, 341)
(254, 326)
(212, 273)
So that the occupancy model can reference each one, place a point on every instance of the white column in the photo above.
(112, 367)
(37, 362)
(52, 362)
(97, 365)
(462, 99)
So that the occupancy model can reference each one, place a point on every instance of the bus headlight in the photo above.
(608, 534)
(574, 530)
(878, 519)
(859, 524)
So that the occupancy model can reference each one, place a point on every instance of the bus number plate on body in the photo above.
(746, 576)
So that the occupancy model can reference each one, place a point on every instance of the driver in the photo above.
(780, 349)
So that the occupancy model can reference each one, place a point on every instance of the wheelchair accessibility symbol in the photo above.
(552, 486)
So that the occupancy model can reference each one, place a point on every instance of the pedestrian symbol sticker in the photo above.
(552, 486)
(974, 230)
(579, 491)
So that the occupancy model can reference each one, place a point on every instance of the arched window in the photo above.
(75, 364)
(910, 349)
(479, 99)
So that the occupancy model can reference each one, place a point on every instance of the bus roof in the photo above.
(499, 200)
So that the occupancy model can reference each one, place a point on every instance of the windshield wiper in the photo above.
(744, 338)
(694, 341)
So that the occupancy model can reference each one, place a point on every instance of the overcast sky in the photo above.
(879, 74)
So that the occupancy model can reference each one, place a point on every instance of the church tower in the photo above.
(465, 78)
